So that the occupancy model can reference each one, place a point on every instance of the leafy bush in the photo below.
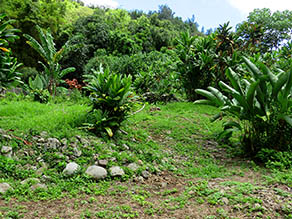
(197, 56)
(37, 89)
(262, 104)
(153, 73)
(9, 76)
(110, 98)
(275, 159)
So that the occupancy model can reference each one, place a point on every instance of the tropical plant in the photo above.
(9, 76)
(110, 96)
(264, 31)
(47, 50)
(197, 56)
(262, 104)
(37, 89)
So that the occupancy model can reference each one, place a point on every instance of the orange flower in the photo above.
(4, 49)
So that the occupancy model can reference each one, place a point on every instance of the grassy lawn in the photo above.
(190, 175)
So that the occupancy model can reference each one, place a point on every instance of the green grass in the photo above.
(59, 120)
(176, 138)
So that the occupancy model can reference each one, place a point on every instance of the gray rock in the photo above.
(41, 140)
(77, 152)
(133, 166)
(7, 137)
(103, 163)
(71, 168)
(52, 143)
(126, 147)
(96, 172)
(38, 186)
(43, 134)
(145, 174)
(30, 180)
(4, 187)
(46, 178)
(6, 151)
(225, 201)
(2, 132)
(116, 171)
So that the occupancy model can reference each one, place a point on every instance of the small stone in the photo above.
(40, 171)
(103, 163)
(4, 187)
(225, 201)
(140, 179)
(140, 162)
(145, 174)
(6, 151)
(77, 152)
(113, 159)
(41, 140)
(133, 166)
(43, 134)
(38, 186)
(46, 178)
(7, 137)
(52, 143)
(96, 172)
(30, 180)
(2, 131)
(163, 185)
(116, 171)
(84, 142)
(71, 168)
(126, 147)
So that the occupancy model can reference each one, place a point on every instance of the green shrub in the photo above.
(37, 89)
(9, 76)
(153, 73)
(275, 159)
(262, 104)
(196, 61)
(110, 97)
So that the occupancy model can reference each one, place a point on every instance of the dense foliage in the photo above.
(110, 96)
(157, 56)
(8, 65)
(261, 103)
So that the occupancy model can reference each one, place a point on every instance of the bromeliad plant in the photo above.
(9, 76)
(110, 95)
(262, 104)
(47, 50)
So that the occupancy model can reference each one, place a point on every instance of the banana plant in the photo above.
(255, 102)
(47, 50)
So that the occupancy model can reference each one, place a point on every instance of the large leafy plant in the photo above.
(262, 104)
(9, 76)
(47, 50)
(110, 96)
(196, 59)
(37, 89)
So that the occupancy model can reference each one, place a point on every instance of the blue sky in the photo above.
(208, 13)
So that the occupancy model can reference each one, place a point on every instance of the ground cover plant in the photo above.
(180, 169)
(109, 125)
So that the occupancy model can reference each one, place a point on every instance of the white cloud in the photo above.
(104, 3)
(246, 6)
